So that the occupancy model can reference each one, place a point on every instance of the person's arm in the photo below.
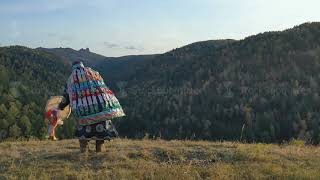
(65, 101)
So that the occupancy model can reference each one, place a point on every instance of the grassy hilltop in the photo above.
(146, 159)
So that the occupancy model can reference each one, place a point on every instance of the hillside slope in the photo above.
(265, 87)
(27, 79)
(158, 159)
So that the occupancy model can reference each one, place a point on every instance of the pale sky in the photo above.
(126, 27)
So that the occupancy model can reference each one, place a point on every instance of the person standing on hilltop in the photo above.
(93, 104)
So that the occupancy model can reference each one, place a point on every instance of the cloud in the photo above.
(110, 45)
(131, 47)
(134, 48)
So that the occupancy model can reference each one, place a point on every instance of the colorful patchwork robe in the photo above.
(90, 99)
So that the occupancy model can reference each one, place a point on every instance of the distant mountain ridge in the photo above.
(92, 58)
(70, 55)
(111, 66)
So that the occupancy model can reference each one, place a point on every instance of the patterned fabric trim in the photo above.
(102, 116)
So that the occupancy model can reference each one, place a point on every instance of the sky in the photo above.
(129, 27)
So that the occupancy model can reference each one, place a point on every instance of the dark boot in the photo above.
(99, 145)
(83, 146)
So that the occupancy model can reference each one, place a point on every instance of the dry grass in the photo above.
(130, 159)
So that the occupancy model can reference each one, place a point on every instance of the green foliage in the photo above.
(25, 125)
(14, 131)
(27, 78)
(4, 78)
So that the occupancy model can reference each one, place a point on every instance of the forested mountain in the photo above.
(27, 79)
(266, 85)
(200, 48)
(263, 88)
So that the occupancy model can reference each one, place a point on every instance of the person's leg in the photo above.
(54, 131)
(83, 145)
(99, 145)
(111, 129)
